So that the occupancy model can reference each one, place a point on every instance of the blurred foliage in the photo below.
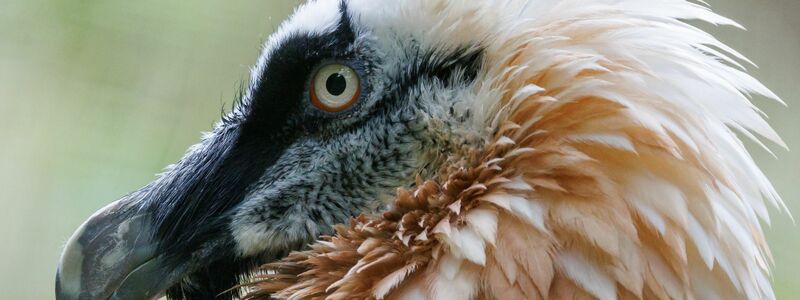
(98, 96)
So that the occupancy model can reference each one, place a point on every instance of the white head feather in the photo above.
(629, 179)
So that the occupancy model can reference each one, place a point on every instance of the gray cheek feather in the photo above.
(319, 182)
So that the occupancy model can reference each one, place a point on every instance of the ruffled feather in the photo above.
(612, 168)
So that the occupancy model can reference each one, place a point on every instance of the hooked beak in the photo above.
(159, 237)
(113, 256)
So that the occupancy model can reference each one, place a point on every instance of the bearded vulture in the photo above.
(459, 149)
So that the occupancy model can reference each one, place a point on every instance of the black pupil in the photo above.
(336, 84)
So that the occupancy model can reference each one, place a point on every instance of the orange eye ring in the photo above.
(335, 88)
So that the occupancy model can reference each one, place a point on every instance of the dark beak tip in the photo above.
(70, 267)
(104, 251)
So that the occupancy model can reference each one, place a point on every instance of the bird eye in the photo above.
(335, 87)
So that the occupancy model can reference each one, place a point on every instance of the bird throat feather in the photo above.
(609, 165)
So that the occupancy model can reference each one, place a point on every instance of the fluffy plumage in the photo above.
(609, 166)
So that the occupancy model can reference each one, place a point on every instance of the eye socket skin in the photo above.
(335, 87)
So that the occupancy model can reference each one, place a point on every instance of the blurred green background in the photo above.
(98, 96)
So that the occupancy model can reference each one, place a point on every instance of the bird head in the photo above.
(619, 115)
(338, 114)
